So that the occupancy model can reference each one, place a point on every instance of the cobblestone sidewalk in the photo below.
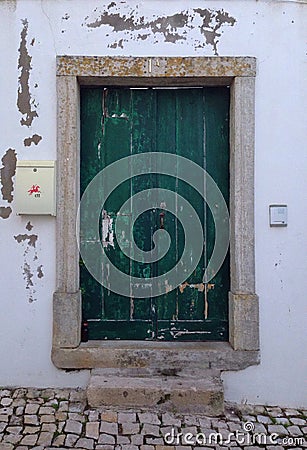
(60, 419)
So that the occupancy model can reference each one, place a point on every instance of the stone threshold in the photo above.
(162, 356)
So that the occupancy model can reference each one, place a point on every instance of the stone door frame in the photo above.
(238, 73)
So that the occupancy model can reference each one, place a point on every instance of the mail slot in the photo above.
(35, 188)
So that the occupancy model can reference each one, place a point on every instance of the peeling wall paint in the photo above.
(5, 212)
(30, 269)
(171, 28)
(35, 139)
(7, 172)
(28, 275)
(31, 238)
(40, 273)
(24, 102)
(29, 226)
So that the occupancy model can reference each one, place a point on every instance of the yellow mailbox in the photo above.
(35, 188)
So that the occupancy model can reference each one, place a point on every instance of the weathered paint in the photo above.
(28, 275)
(171, 28)
(24, 100)
(199, 286)
(30, 266)
(35, 139)
(7, 172)
(107, 230)
(120, 122)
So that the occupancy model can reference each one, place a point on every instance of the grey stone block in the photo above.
(162, 393)
(244, 321)
(67, 319)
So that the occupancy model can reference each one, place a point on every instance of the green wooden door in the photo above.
(190, 122)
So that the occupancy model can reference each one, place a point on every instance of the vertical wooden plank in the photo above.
(116, 145)
(190, 143)
(91, 163)
(166, 142)
(142, 141)
(217, 165)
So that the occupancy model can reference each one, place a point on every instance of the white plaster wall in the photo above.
(274, 32)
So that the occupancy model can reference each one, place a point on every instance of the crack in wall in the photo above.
(35, 139)
(24, 102)
(7, 172)
(173, 28)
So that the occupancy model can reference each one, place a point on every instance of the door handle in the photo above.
(162, 214)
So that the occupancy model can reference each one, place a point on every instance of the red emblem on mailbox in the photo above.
(35, 189)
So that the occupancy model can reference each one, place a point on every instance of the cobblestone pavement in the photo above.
(60, 419)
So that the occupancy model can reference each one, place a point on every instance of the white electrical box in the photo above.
(278, 215)
(35, 188)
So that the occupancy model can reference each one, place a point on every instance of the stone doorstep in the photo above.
(197, 394)
(153, 355)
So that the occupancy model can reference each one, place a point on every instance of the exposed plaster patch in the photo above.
(24, 102)
(35, 139)
(7, 172)
(173, 27)
(5, 212)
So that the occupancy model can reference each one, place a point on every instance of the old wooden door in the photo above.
(191, 122)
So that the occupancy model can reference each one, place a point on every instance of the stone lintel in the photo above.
(112, 66)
